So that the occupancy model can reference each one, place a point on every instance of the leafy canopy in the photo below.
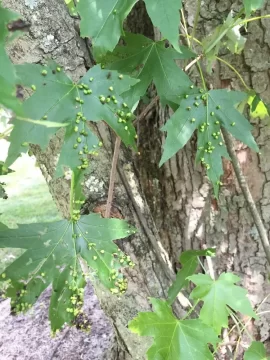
(217, 295)
(53, 255)
(256, 351)
(148, 61)
(56, 97)
(173, 338)
(207, 112)
(189, 261)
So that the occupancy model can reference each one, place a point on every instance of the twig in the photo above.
(193, 62)
(112, 176)
(247, 194)
(210, 265)
(148, 108)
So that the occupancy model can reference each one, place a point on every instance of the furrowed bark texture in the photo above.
(178, 211)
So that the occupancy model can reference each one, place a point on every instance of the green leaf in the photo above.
(53, 252)
(173, 338)
(149, 61)
(206, 112)
(3, 171)
(166, 16)
(71, 7)
(102, 20)
(56, 98)
(252, 5)
(217, 295)
(226, 35)
(7, 71)
(189, 262)
(256, 351)
(258, 109)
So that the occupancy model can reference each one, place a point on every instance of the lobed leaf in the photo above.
(173, 338)
(102, 20)
(217, 295)
(148, 61)
(55, 97)
(189, 262)
(256, 351)
(53, 252)
(207, 112)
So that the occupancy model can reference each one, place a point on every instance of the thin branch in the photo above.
(193, 62)
(247, 194)
(210, 265)
(197, 15)
(148, 108)
(112, 176)
(234, 70)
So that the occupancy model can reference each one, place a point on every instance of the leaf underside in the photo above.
(256, 351)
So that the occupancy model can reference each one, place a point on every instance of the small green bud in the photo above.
(75, 146)
(100, 143)
(124, 105)
(196, 104)
(79, 140)
(233, 124)
(4, 276)
(77, 121)
(91, 79)
(80, 87)
(191, 86)
(76, 129)
(44, 72)
(218, 107)
(33, 87)
(188, 108)
(85, 92)
(120, 76)
(186, 96)
(111, 88)
(58, 69)
(89, 91)
(192, 120)
(80, 152)
(108, 100)
(95, 258)
(81, 101)
(126, 128)
(212, 113)
(217, 122)
(77, 99)
(45, 117)
(115, 101)
(25, 144)
(114, 11)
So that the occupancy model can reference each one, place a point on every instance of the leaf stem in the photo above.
(71, 195)
(234, 70)
(112, 176)
(247, 194)
(191, 310)
(245, 21)
(4, 134)
(185, 27)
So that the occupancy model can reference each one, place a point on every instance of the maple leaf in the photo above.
(189, 261)
(256, 351)
(217, 295)
(173, 338)
(207, 112)
(56, 98)
(102, 20)
(144, 59)
(53, 252)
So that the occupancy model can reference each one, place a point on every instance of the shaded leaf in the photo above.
(258, 109)
(166, 16)
(173, 338)
(52, 255)
(252, 5)
(189, 262)
(256, 351)
(206, 112)
(217, 295)
(102, 20)
(149, 61)
(57, 99)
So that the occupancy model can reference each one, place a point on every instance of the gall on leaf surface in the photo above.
(252, 5)
(189, 261)
(148, 61)
(56, 98)
(52, 256)
(206, 112)
(102, 21)
(165, 15)
(173, 338)
(256, 351)
(217, 295)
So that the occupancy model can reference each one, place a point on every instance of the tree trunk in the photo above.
(172, 207)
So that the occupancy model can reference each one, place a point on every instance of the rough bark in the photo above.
(180, 212)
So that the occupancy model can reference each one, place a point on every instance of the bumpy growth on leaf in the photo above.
(189, 261)
(173, 339)
(3, 171)
(102, 20)
(56, 98)
(256, 351)
(217, 295)
(7, 70)
(149, 61)
(207, 112)
(53, 252)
